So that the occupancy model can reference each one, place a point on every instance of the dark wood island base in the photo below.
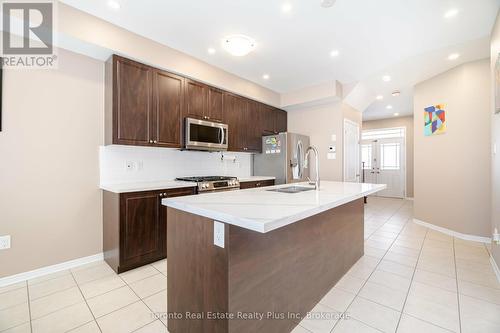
(281, 274)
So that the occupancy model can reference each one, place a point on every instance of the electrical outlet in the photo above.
(219, 234)
(4, 242)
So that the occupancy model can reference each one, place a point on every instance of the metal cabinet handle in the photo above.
(161, 194)
(154, 141)
(165, 194)
(258, 184)
(150, 141)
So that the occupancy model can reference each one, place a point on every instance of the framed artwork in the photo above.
(434, 120)
(497, 85)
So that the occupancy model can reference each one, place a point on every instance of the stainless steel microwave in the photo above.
(205, 135)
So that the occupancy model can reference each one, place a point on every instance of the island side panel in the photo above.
(290, 269)
(197, 273)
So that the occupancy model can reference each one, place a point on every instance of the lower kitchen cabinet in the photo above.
(135, 227)
(254, 184)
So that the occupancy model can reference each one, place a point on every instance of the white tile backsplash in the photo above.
(152, 164)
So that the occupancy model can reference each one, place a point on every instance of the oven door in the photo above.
(205, 135)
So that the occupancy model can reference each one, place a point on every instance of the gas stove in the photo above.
(213, 183)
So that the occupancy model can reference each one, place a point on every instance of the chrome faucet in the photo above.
(306, 164)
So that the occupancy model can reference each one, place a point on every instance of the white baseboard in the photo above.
(5, 281)
(495, 267)
(453, 233)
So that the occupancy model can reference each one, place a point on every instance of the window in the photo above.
(366, 156)
(390, 156)
(384, 133)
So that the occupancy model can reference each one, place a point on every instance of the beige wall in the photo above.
(495, 121)
(50, 202)
(452, 170)
(320, 122)
(399, 122)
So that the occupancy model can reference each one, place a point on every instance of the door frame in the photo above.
(344, 150)
(403, 152)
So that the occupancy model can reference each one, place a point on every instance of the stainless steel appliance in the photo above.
(213, 183)
(205, 135)
(283, 157)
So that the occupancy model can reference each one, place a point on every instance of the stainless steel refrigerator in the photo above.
(282, 157)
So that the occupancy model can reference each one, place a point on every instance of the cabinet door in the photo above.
(253, 123)
(140, 228)
(280, 121)
(234, 114)
(131, 102)
(196, 99)
(167, 111)
(215, 110)
(267, 119)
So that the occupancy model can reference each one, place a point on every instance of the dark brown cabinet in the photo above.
(143, 105)
(235, 115)
(254, 184)
(280, 121)
(135, 227)
(203, 102)
(215, 108)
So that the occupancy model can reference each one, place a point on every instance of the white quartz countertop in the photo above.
(254, 178)
(262, 210)
(146, 186)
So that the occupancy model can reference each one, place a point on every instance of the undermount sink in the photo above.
(292, 189)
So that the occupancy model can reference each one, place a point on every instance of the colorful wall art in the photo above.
(435, 121)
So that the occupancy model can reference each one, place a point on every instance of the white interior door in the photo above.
(384, 163)
(351, 151)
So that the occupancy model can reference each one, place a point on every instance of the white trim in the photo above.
(344, 150)
(5, 281)
(409, 198)
(454, 233)
(495, 267)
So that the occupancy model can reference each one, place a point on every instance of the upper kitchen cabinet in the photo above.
(254, 132)
(280, 121)
(215, 107)
(273, 121)
(234, 116)
(143, 105)
(203, 101)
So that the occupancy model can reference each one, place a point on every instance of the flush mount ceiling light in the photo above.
(286, 7)
(396, 93)
(396, 114)
(379, 97)
(451, 13)
(327, 3)
(211, 50)
(238, 45)
(386, 78)
(113, 4)
(389, 107)
(265, 76)
(453, 56)
(334, 53)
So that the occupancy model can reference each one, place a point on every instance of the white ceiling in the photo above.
(373, 37)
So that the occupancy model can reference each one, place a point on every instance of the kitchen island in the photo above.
(277, 254)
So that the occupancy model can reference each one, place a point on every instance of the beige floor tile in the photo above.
(300, 329)
(443, 267)
(14, 316)
(406, 251)
(390, 280)
(150, 285)
(481, 292)
(13, 297)
(353, 326)
(56, 301)
(90, 327)
(101, 286)
(434, 305)
(160, 265)
(478, 277)
(127, 319)
(479, 316)
(378, 244)
(154, 327)
(111, 301)
(337, 299)
(23, 328)
(13, 286)
(93, 273)
(401, 259)
(409, 324)
(321, 319)
(474, 266)
(138, 274)
(383, 295)
(63, 320)
(374, 315)
(50, 286)
(157, 302)
(350, 283)
(48, 277)
(374, 252)
(436, 280)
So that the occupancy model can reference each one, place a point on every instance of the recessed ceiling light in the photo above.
(453, 56)
(265, 76)
(389, 107)
(451, 13)
(396, 114)
(379, 97)
(327, 3)
(334, 53)
(386, 78)
(211, 50)
(238, 45)
(396, 93)
(113, 4)
(286, 7)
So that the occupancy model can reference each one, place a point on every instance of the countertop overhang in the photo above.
(262, 210)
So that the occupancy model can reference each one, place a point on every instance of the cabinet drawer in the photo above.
(258, 183)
